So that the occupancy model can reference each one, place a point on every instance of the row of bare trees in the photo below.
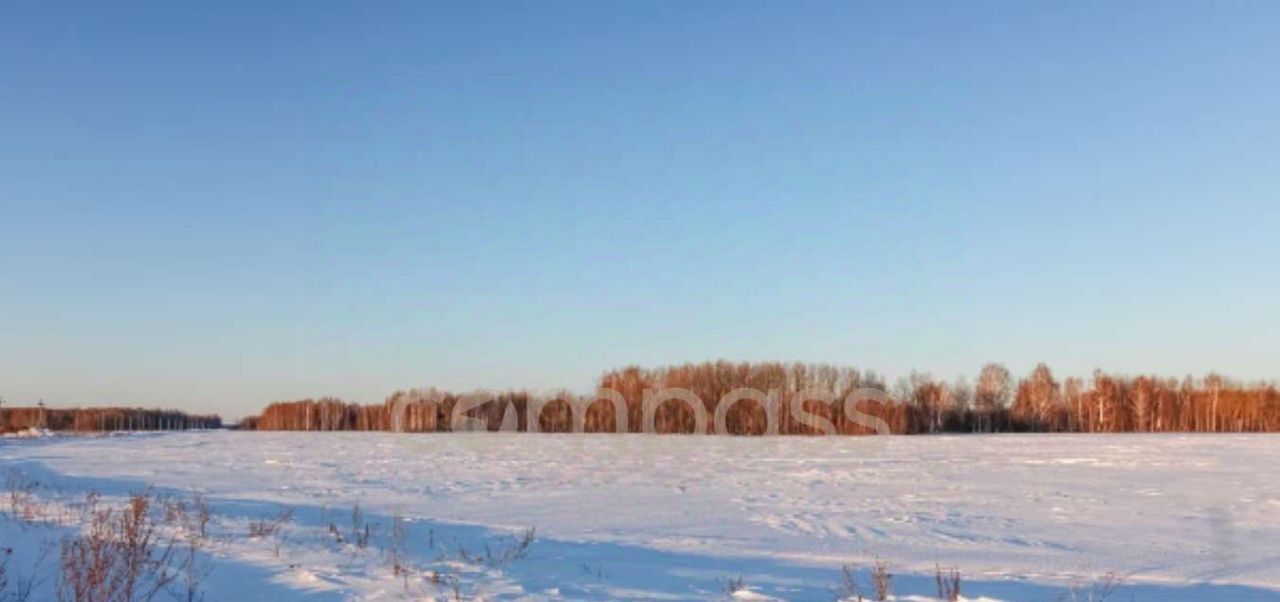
(1110, 403)
(103, 419)
(809, 399)
(413, 411)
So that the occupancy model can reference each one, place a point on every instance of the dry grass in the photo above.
(6, 555)
(1099, 590)
(850, 586)
(360, 533)
(20, 491)
(948, 583)
(733, 586)
(18, 585)
(153, 544)
(154, 547)
(396, 545)
(121, 557)
(881, 579)
(511, 550)
(270, 526)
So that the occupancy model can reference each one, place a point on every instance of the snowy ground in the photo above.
(1193, 517)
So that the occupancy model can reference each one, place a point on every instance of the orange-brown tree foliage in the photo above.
(917, 404)
(103, 419)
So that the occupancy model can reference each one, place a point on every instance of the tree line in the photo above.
(102, 419)
(810, 400)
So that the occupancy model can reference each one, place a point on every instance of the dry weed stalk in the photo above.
(268, 527)
(948, 583)
(515, 548)
(881, 582)
(122, 557)
(18, 586)
(395, 545)
(1100, 590)
(361, 532)
(21, 493)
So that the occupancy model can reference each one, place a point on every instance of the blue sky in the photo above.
(212, 206)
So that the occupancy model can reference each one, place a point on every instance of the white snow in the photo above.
(29, 433)
(1179, 517)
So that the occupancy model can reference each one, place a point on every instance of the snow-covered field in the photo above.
(1194, 517)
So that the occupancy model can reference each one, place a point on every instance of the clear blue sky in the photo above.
(214, 205)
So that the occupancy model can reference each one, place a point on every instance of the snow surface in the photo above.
(1024, 517)
(28, 433)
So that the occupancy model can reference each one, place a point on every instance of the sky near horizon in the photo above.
(212, 206)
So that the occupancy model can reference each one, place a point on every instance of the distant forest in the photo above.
(102, 419)
(918, 404)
